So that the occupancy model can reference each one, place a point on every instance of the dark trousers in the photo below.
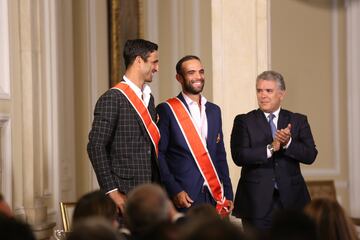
(264, 223)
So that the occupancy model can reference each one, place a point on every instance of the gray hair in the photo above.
(272, 76)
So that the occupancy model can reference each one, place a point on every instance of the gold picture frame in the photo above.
(124, 24)
(67, 210)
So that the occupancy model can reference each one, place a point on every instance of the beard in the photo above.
(188, 87)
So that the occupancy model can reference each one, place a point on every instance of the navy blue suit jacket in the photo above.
(250, 135)
(178, 170)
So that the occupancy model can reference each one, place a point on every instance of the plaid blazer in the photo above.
(119, 148)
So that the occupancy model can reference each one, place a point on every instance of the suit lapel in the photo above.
(181, 97)
(263, 123)
(211, 124)
(284, 119)
(151, 108)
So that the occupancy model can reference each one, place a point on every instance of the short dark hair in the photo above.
(146, 206)
(213, 229)
(94, 229)
(182, 60)
(292, 224)
(95, 203)
(272, 76)
(11, 228)
(137, 47)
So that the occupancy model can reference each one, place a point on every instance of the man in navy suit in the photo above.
(184, 181)
(269, 144)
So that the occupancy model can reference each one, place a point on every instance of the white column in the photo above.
(240, 52)
(353, 73)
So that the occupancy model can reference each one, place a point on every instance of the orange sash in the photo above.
(200, 153)
(143, 113)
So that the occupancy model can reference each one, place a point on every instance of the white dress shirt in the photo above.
(198, 115)
(143, 94)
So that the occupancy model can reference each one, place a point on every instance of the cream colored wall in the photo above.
(180, 27)
(308, 45)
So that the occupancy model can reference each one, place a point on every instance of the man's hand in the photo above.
(276, 144)
(230, 205)
(119, 200)
(182, 200)
(283, 135)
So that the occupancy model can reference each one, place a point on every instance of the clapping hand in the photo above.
(283, 135)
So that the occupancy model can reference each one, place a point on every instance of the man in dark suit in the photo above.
(120, 148)
(269, 144)
(179, 170)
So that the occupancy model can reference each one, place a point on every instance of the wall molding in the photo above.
(92, 70)
(196, 27)
(6, 161)
(353, 108)
(151, 32)
(4, 51)
(335, 82)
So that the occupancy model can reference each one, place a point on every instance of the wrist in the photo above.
(271, 148)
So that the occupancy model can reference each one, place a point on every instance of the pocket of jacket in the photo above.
(124, 173)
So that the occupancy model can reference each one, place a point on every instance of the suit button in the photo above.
(149, 152)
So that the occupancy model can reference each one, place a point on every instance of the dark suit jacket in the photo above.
(119, 147)
(178, 170)
(250, 135)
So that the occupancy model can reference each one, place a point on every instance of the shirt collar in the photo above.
(145, 90)
(276, 113)
(189, 101)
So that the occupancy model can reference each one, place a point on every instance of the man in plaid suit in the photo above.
(120, 148)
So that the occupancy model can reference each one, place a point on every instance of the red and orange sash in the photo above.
(143, 113)
(200, 153)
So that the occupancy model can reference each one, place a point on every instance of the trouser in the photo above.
(264, 223)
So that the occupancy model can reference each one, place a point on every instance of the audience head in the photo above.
(94, 228)
(147, 205)
(4, 207)
(213, 229)
(12, 229)
(95, 204)
(331, 220)
(137, 48)
(163, 231)
(202, 212)
(292, 225)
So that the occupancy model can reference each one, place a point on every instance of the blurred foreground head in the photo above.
(331, 220)
(147, 205)
(94, 228)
